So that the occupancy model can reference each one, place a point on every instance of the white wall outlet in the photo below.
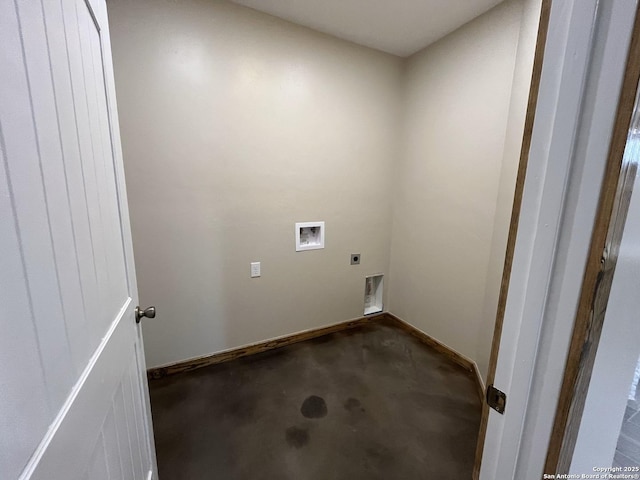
(255, 269)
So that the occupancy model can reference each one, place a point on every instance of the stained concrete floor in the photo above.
(368, 403)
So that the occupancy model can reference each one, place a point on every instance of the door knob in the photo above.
(147, 312)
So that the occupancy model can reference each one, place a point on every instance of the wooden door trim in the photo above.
(543, 28)
(605, 242)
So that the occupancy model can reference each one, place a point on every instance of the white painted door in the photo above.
(584, 64)
(73, 394)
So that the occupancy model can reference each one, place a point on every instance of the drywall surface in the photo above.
(235, 125)
(618, 351)
(509, 170)
(457, 106)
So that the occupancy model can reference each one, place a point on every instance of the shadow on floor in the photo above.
(368, 403)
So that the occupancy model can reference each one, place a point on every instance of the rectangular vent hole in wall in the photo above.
(373, 294)
(309, 236)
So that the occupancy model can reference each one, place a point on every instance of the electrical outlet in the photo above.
(255, 269)
(355, 259)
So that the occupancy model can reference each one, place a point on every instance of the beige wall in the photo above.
(457, 96)
(508, 173)
(235, 125)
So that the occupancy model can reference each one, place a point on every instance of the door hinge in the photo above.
(496, 399)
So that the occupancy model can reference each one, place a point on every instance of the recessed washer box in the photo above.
(373, 286)
(309, 236)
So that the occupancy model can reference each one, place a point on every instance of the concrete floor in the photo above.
(368, 403)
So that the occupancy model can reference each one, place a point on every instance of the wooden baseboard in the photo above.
(480, 385)
(445, 350)
(385, 318)
(461, 360)
(227, 355)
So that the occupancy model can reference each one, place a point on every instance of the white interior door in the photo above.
(584, 65)
(73, 393)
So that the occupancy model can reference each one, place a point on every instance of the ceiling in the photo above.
(399, 27)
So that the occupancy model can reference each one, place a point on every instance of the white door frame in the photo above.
(583, 68)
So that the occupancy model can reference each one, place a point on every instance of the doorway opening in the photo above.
(388, 159)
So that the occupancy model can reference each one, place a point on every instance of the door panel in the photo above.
(23, 160)
(78, 430)
(53, 182)
(70, 163)
(73, 401)
(584, 61)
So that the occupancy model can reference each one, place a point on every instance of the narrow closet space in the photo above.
(320, 197)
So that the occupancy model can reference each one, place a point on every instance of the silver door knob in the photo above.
(147, 312)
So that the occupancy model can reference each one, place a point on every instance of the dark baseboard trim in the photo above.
(439, 347)
(461, 360)
(227, 355)
(385, 317)
(482, 389)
